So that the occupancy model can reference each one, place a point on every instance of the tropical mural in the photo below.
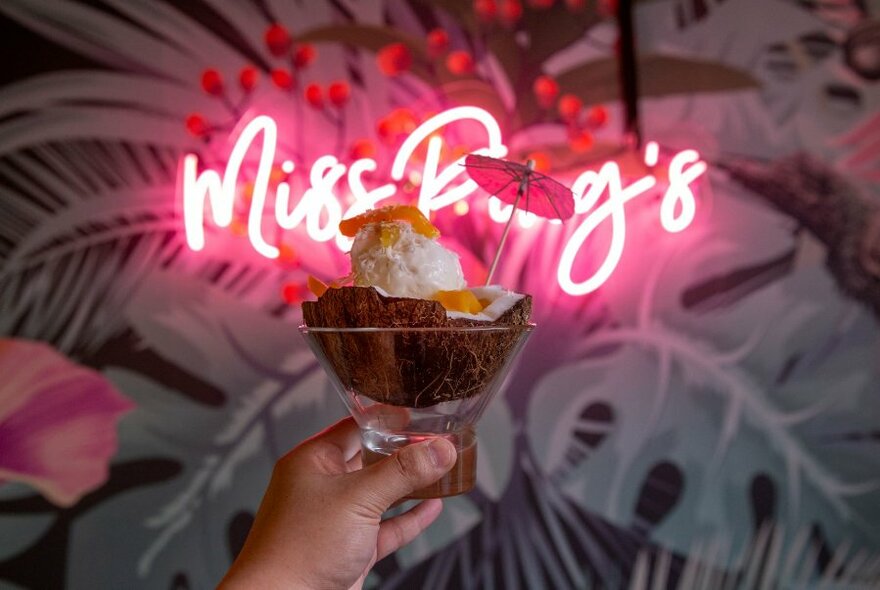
(707, 418)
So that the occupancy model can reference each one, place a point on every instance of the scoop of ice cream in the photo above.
(392, 256)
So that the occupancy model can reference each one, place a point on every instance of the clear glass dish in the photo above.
(404, 385)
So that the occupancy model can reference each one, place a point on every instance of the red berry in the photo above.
(362, 148)
(402, 121)
(277, 40)
(546, 90)
(541, 160)
(460, 63)
(315, 96)
(303, 55)
(339, 93)
(485, 10)
(542, 4)
(438, 43)
(291, 293)
(196, 125)
(385, 129)
(282, 79)
(511, 11)
(212, 82)
(248, 78)
(581, 141)
(576, 5)
(569, 107)
(394, 59)
(396, 123)
(597, 116)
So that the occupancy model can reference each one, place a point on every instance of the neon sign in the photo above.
(438, 189)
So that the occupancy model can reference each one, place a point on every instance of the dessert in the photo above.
(403, 278)
(413, 351)
(395, 252)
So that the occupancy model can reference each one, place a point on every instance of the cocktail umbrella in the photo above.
(521, 186)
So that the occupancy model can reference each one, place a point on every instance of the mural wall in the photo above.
(709, 415)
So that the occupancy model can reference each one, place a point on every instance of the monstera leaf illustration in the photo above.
(716, 425)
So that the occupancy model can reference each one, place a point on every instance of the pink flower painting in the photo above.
(57, 422)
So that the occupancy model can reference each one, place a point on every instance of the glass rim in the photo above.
(304, 329)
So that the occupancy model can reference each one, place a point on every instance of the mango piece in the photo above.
(388, 234)
(317, 286)
(407, 213)
(458, 301)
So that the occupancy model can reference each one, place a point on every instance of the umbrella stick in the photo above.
(523, 186)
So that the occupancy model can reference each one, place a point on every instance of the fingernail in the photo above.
(439, 453)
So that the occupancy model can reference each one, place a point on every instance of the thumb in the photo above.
(411, 468)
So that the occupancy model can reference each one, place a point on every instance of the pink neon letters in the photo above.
(321, 210)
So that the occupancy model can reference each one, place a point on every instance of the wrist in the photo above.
(247, 577)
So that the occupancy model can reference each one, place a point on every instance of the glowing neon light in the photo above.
(679, 191)
(430, 198)
(652, 153)
(221, 194)
(607, 180)
(320, 209)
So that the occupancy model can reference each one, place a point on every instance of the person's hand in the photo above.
(320, 522)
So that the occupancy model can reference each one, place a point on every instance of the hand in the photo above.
(320, 522)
